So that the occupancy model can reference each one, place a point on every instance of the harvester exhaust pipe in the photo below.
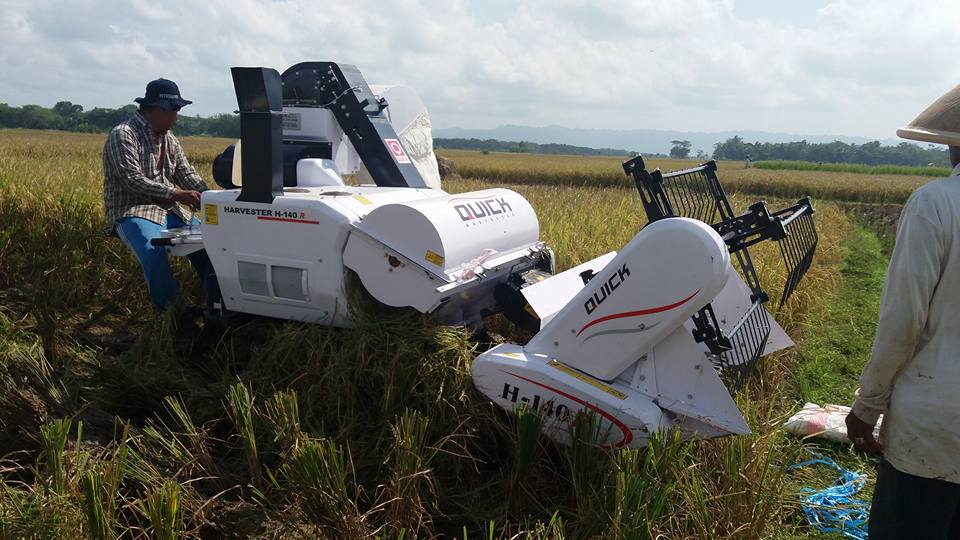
(260, 100)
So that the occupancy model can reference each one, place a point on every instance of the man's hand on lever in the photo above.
(188, 197)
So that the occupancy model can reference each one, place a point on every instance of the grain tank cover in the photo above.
(450, 233)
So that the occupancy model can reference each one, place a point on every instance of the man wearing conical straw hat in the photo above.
(913, 375)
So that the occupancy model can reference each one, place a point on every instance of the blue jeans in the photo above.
(136, 232)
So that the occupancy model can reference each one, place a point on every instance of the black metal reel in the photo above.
(697, 193)
(792, 228)
(747, 340)
(798, 247)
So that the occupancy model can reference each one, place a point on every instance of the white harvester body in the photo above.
(622, 336)
(409, 247)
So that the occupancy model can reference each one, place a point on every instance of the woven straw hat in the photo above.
(940, 123)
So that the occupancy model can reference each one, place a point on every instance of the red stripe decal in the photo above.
(637, 313)
(268, 218)
(627, 434)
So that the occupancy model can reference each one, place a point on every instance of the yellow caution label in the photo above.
(435, 258)
(362, 199)
(587, 379)
(515, 356)
(210, 214)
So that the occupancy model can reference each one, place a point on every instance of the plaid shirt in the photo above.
(142, 171)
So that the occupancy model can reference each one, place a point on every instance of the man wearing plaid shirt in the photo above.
(146, 176)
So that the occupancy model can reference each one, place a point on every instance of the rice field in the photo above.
(112, 424)
(775, 164)
(603, 171)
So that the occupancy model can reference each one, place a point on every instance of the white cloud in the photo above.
(864, 68)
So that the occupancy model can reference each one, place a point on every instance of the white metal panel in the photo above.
(390, 277)
(314, 172)
(688, 385)
(318, 124)
(306, 228)
(512, 376)
(451, 233)
(398, 281)
(549, 296)
(296, 233)
(667, 272)
(311, 124)
(186, 240)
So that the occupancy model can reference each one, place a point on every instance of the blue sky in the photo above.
(846, 67)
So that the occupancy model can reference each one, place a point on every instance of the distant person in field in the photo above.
(913, 375)
(146, 177)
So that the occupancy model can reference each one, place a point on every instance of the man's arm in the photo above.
(123, 157)
(912, 277)
(184, 175)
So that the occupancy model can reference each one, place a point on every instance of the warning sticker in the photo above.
(362, 199)
(291, 121)
(589, 380)
(396, 150)
(434, 257)
(210, 214)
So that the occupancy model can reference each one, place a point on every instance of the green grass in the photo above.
(836, 346)
(859, 168)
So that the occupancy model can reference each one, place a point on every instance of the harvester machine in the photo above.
(651, 338)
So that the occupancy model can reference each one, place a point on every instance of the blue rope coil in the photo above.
(836, 509)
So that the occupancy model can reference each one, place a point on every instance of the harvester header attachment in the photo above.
(697, 193)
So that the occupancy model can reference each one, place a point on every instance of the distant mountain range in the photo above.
(645, 141)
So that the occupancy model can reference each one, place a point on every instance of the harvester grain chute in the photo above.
(644, 338)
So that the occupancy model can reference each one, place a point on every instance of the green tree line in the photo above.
(871, 153)
(524, 147)
(69, 116)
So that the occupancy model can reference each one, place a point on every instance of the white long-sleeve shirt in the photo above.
(913, 375)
